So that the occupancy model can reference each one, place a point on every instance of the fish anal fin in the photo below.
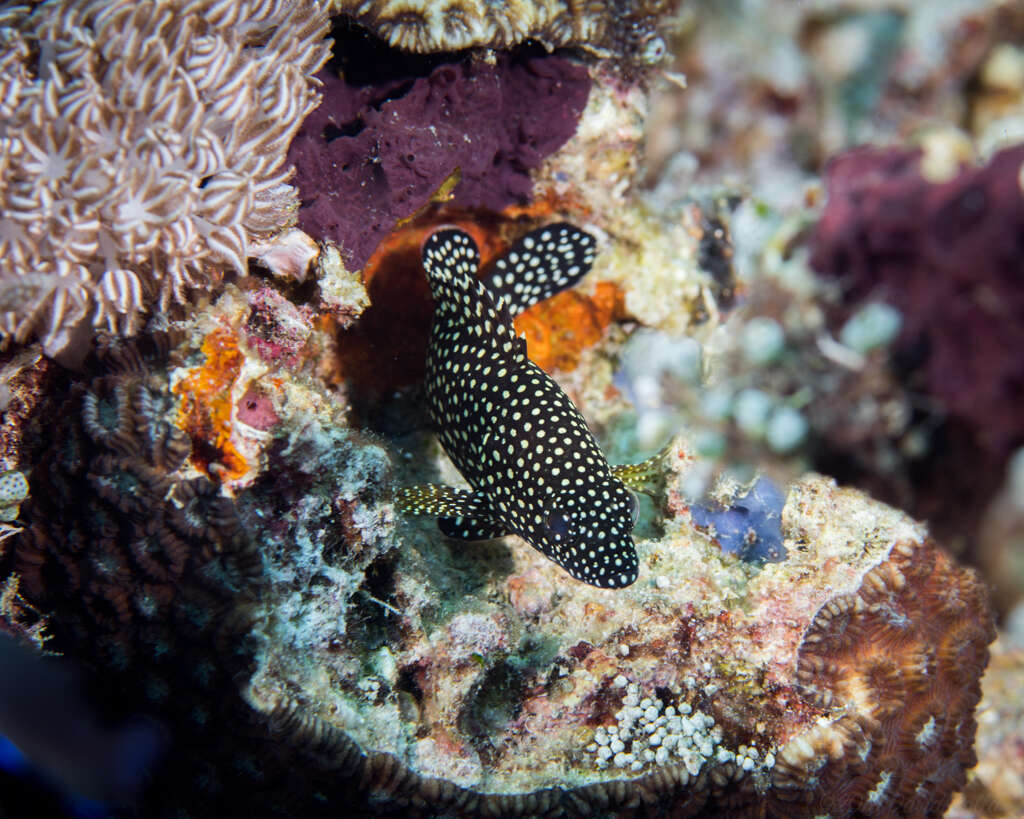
(435, 499)
(470, 527)
(460, 512)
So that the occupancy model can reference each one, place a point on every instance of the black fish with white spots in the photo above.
(534, 466)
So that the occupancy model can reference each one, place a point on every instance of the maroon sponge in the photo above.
(371, 155)
(950, 257)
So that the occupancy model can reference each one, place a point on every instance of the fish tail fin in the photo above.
(544, 262)
(451, 259)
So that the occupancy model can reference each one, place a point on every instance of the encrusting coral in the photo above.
(142, 151)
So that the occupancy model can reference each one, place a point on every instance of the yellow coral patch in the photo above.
(205, 411)
(559, 329)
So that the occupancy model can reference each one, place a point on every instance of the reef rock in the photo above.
(439, 677)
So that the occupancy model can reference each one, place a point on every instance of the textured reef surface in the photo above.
(200, 497)
(711, 684)
(425, 26)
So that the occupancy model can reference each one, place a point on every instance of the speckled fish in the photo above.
(517, 438)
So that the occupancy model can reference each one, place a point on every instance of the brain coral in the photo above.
(130, 564)
(451, 25)
(142, 148)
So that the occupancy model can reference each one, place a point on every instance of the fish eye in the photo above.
(557, 525)
(634, 508)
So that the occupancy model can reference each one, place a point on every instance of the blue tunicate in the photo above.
(751, 528)
(751, 411)
(764, 340)
(875, 325)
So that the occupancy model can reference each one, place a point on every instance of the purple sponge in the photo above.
(950, 257)
(371, 155)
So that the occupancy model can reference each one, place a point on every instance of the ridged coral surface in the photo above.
(451, 25)
(142, 149)
(898, 662)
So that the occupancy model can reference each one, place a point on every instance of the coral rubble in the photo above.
(143, 150)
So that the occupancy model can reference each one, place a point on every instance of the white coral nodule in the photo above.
(142, 150)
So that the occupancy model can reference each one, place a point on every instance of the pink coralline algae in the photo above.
(276, 328)
(372, 155)
(256, 410)
(950, 257)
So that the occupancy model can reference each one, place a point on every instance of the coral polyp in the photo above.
(143, 151)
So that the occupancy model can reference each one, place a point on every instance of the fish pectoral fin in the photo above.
(435, 499)
(648, 477)
(471, 527)
(461, 514)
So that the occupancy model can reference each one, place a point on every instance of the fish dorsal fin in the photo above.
(451, 260)
(544, 262)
